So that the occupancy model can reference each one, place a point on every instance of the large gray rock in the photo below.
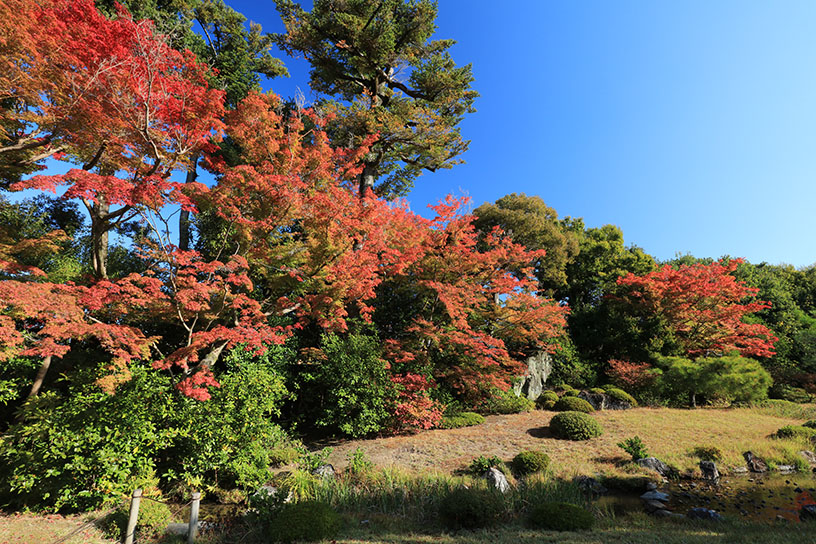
(655, 496)
(497, 480)
(590, 485)
(601, 401)
(808, 456)
(324, 471)
(539, 368)
(755, 464)
(653, 463)
(653, 506)
(710, 472)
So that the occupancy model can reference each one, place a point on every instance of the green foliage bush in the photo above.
(348, 389)
(635, 447)
(559, 516)
(570, 391)
(530, 461)
(795, 431)
(547, 400)
(153, 519)
(573, 404)
(708, 453)
(470, 508)
(506, 402)
(481, 464)
(811, 423)
(790, 393)
(621, 396)
(75, 450)
(307, 521)
(731, 378)
(575, 426)
(358, 462)
(284, 455)
(597, 390)
(461, 419)
(310, 460)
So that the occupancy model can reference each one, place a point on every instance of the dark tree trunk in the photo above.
(184, 216)
(40, 378)
(99, 237)
(366, 178)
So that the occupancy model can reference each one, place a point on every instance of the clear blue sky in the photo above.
(691, 125)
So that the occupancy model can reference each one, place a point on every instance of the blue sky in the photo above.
(691, 125)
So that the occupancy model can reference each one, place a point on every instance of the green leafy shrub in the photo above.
(506, 402)
(570, 391)
(153, 519)
(575, 426)
(708, 453)
(470, 508)
(481, 464)
(310, 460)
(573, 404)
(78, 451)
(795, 431)
(789, 393)
(530, 461)
(307, 521)
(811, 424)
(635, 447)
(358, 462)
(559, 516)
(462, 419)
(597, 390)
(547, 400)
(284, 455)
(621, 396)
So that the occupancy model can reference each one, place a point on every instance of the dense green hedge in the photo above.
(575, 426)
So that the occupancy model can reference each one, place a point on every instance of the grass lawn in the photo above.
(669, 434)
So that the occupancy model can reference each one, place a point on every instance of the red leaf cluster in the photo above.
(705, 306)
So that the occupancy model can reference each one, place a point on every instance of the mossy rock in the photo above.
(621, 396)
(462, 419)
(307, 521)
(573, 404)
(547, 400)
(530, 462)
(560, 516)
(796, 431)
(470, 508)
(575, 426)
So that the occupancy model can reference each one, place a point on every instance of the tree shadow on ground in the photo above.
(540, 432)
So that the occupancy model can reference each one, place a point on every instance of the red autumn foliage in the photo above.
(631, 376)
(705, 306)
(109, 94)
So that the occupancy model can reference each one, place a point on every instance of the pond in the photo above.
(754, 497)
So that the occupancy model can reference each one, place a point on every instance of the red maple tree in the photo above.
(705, 307)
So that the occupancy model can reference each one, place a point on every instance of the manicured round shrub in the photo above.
(795, 431)
(547, 400)
(573, 404)
(482, 464)
(560, 516)
(789, 393)
(621, 395)
(462, 419)
(530, 461)
(470, 508)
(305, 521)
(570, 391)
(597, 390)
(575, 426)
(506, 402)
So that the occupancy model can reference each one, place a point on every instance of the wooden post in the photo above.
(193, 527)
(134, 516)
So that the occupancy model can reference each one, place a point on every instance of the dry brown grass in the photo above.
(669, 434)
(40, 529)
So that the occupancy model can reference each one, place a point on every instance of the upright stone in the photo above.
(497, 480)
(710, 472)
(531, 385)
(755, 464)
